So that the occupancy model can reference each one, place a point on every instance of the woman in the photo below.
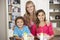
(30, 14)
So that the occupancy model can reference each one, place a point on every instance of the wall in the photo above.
(23, 3)
(3, 25)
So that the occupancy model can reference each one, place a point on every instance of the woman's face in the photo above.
(20, 23)
(30, 8)
(41, 16)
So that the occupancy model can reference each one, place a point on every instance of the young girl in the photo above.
(30, 14)
(20, 28)
(42, 26)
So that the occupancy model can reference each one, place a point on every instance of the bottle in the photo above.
(25, 36)
(41, 36)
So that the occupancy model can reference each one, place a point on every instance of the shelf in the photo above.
(16, 5)
(9, 8)
(10, 21)
(9, 4)
(10, 13)
(54, 13)
(56, 20)
(54, 6)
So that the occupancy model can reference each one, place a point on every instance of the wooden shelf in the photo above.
(54, 13)
(10, 13)
(10, 21)
(9, 4)
(16, 5)
(54, 10)
(56, 20)
(54, 6)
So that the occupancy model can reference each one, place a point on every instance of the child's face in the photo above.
(30, 8)
(20, 23)
(41, 16)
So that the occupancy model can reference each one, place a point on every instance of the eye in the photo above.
(31, 6)
(27, 7)
(21, 22)
(42, 14)
(17, 22)
(38, 15)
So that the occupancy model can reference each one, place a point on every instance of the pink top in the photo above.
(48, 29)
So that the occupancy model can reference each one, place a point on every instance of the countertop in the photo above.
(56, 37)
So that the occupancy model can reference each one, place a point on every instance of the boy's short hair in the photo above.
(20, 17)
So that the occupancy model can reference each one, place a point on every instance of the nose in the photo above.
(29, 8)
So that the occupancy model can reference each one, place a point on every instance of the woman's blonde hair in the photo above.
(27, 3)
(27, 14)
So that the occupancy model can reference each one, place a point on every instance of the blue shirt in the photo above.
(19, 33)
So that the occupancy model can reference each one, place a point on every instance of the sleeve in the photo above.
(33, 30)
(51, 31)
(27, 30)
(15, 33)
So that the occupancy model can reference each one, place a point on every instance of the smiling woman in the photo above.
(29, 16)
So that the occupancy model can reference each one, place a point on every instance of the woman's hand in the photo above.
(46, 36)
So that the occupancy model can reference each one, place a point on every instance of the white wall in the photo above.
(40, 4)
(3, 21)
(23, 2)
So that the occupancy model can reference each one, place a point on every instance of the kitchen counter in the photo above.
(57, 37)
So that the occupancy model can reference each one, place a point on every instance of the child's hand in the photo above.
(38, 35)
(46, 36)
(49, 37)
(22, 38)
(30, 35)
(43, 35)
(18, 38)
